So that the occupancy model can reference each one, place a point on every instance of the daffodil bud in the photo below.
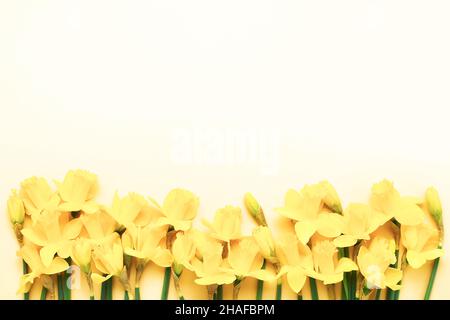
(265, 242)
(331, 197)
(254, 209)
(16, 209)
(82, 254)
(435, 207)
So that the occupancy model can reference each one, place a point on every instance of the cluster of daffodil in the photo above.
(364, 247)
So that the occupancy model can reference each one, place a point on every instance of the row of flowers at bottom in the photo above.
(364, 247)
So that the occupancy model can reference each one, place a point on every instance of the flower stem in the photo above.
(432, 278)
(345, 290)
(109, 289)
(279, 289)
(103, 291)
(313, 288)
(236, 289)
(391, 294)
(59, 278)
(67, 282)
(378, 294)
(219, 295)
(166, 283)
(44, 293)
(137, 293)
(126, 296)
(300, 296)
(91, 298)
(26, 295)
(260, 285)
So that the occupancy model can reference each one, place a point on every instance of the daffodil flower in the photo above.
(179, 209)
(386, 199)
(296, 260)
(132, 209)
(37, 197)
(16, 213)
(266, 243)
(53, 232)
(77, 192)
(30, 254)
(328, 267)
(422, 244)
(308, 209)
(226, 225)
(183, 251)
(375, 257)
(360, 220)
(82, 256)
(100, 226)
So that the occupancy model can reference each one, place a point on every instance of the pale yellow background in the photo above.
(350, 91)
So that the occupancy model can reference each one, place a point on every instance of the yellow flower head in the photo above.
(82, 254)
(422, 244)
(434, 206)
(265, 242)
(255, 209)
(53, 232)
(375, 257)
(360, 220)
(296, 260)
(183, 251)
(179, 209)
(246, 261)
(30, 254)
(77, 192)
(307, 208)
(16, 209)
(38, 197)
(330, 197)
(108, 258)
(328, 267)
(145, 243)
(386, 199)
(209, 269)
(132, 209)
(100, 226)
(227, 224)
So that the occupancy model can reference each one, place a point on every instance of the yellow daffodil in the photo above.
(209, 269)
(422, 244)
(375, 257)
(144, 243)
(179, 209)
(296, 260)
(226, 225)
(132, 209)
(307, 208)
(265, 242)
(255, 209)
(328, 267)
(81, 254)
(53, 232)
(330, 197)
(77, 192)
(30, 255)
(434, 206)
(246, 261)
(183, 251)
(386, 199)
(360, 220)
(100, 226)
(37, 196)
(16, 213)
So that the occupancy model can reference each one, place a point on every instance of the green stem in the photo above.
(279, 289)
(91, 298)
(432, 278)
(313, 287)
(26, 295)
(219, 294)
(103, 291)
(59, 278)
(126, 296)
(391, 294)
(44, 293)
(67, 282)
(378, 294)
(300, 296)
(166, 284)
(260, 285)
(345, 290)
(137, 293)
(109, 289)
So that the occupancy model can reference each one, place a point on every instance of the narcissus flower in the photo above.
(144, 243)
(434, 206)
(54, 232)
(16, 213)
(375, 257)
(386, 199)
(132, 209)
(265, 242)
(360, 220)
(328, 267)
(183, 251)
(81, 254)
(100, 226)
(37, 196)
(179, 209)
(77, 192)
(330, 198)
(30, 254)
(226, 225)
(255, 209)
(307, 208)
(296, 260)
(422, 244)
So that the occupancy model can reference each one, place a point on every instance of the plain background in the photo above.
(224, 97)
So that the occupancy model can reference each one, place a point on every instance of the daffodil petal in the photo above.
(346, 265)
(304, 231)
(344, 241)
(296, 279)
(392, 278)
